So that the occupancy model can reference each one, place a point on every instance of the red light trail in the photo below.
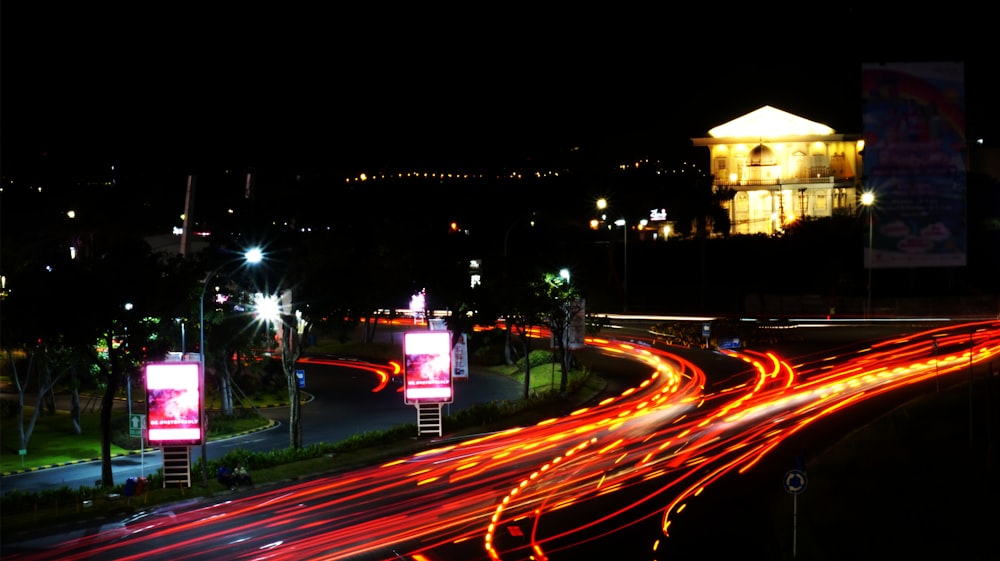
(642, 455)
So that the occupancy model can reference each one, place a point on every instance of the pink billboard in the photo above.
(427, 367)
(173, 401)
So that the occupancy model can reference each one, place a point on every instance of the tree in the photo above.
(32, 321)
(699, 210)
(86, 296)
(564, 304)
(228, 340)
(40, 363)
(353, 276)
(523, 310)
(291, 348)
(36, 354)
(122, 292)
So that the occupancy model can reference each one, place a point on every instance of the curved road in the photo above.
(348, 401)
(570, 487)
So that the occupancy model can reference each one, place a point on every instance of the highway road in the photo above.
(611, 479)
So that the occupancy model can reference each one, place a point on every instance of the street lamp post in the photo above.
(506, 235)
(621, 222)
(602, 205)
(183, 342)
(868, 199)
(252, 256)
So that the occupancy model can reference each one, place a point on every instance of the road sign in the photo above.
(706, 329)
(730, 343)
(795, 481)
(135, 424)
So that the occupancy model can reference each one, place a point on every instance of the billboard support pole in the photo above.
(429, 419)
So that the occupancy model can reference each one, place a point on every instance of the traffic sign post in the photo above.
(136, 426)
(795, 482)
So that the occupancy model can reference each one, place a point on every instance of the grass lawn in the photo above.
(53, 440)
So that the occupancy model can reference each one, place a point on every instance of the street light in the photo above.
(868, 199)
(252, 257)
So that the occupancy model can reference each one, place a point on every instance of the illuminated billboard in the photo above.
(173, 403)
(915, 164)
(427, 367)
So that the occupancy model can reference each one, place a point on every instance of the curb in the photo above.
(270, 424)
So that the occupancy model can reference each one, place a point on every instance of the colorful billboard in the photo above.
(915, 164)
(173, 402)
(427, 367)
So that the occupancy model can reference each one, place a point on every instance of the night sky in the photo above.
(344, 91)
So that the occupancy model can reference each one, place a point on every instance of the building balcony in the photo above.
(783, 183)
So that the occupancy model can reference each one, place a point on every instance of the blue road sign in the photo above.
(795, 481)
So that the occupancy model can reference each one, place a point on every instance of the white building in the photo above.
(773, 167)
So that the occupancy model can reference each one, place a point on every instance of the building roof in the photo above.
(769, 122)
